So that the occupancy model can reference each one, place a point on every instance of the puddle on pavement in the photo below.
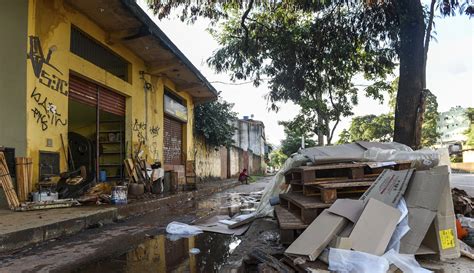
(160, 254)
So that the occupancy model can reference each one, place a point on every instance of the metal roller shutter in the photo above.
(111, 102)
(173, 141)
(85, 92)
(82, 91)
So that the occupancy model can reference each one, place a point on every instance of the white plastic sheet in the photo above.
(177, 228)
(423, 159)
(402, 227)
(348, 261)
(405, 262)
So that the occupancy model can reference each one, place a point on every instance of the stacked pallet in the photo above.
(315, 188)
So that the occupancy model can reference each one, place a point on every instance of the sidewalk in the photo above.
(21, 229)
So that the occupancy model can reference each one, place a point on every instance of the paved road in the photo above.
(463, 181)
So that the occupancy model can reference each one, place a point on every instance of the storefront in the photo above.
(106, 82)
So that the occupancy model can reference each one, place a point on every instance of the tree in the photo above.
(381, 128)
(293, 137)
(400, 23)
(213, 120)
(470, 131)
(277, 159)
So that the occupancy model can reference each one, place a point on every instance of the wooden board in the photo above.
(305, 208)
(337, 172)
(287, 220)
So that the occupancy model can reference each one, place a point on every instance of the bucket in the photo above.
(275, 200)
(119, 195)
(103, 176)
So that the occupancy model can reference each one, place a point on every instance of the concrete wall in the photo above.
(13, 30)
(208, 160)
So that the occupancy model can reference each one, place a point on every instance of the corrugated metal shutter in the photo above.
(173, 141)
(82, 91)
(111, 102)
(85, 92)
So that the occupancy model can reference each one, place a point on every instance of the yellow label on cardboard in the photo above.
(447, 238)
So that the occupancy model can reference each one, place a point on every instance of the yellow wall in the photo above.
(50, 24)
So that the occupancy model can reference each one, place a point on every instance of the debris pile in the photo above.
(368, 207)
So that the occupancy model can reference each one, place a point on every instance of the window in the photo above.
(87, 48)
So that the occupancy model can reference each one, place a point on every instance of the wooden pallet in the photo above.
(290, 225)
(329, 192)
(341, 171)
(306, 208)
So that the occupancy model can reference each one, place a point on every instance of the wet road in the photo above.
(118, 241)
(463, 181)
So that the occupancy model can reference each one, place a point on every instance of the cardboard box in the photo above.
(389, 187)
(373, 230)
(423, 198)
(324, 229)
(442, 234)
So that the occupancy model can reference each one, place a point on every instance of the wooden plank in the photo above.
(302, 201)
(273, 262)
(288, 220)
(343, 185)
(336, 180)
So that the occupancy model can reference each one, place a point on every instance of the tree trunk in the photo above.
(408, 112)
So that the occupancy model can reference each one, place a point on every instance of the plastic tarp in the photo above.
(277, 185)
(349, 261)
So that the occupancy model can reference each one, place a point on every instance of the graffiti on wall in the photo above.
(154, 131)
(45, 112)
(53, 79)
(140, 129)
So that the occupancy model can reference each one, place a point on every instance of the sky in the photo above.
(450, 72)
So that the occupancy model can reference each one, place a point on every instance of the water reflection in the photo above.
(159, 254)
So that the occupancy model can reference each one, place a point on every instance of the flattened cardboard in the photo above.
(348, 208)
(341, 242)
(373, 230)
(324, 228)
(423, 198)
(442, 234)
(389, 187)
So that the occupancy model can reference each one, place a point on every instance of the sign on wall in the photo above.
(176, 109)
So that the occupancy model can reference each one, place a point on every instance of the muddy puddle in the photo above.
(206, 252)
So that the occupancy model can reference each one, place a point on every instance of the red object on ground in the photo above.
(462, 232)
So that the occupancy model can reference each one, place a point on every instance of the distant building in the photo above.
(250, 135)
(452, 126)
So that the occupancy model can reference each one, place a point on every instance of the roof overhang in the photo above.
(127, 23)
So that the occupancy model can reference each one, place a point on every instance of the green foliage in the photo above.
(277, 159)
(380, 128)
(470, 131)
(309, 59)
(369, 128)
(293, 134)
(213, 121)
(429, 129)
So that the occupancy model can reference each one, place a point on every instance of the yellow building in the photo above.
(99, 75)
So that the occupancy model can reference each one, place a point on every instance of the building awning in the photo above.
(127, 23)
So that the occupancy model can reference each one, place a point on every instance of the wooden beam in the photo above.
(190, 87)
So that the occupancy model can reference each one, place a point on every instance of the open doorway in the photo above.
(96, 130)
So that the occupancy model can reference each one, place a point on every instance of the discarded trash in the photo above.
(406, 263)
(178, 228)
(194, 251)
(348, 261)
